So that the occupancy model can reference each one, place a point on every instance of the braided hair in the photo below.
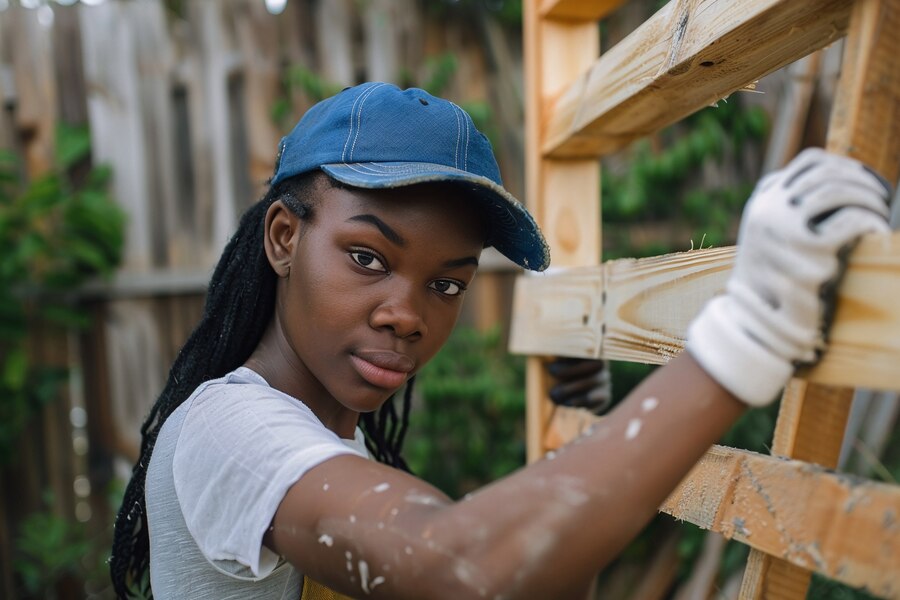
(239, 305)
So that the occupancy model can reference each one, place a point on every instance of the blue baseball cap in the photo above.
(377, 136)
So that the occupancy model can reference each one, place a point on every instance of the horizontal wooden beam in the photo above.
(577, 10)
(843, 527)
(639, 310)
(687, 56)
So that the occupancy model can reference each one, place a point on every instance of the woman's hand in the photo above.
(796, 233)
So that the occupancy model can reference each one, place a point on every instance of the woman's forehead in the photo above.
(428, 205)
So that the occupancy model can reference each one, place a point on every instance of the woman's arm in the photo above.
(363, 528)
(539, 533)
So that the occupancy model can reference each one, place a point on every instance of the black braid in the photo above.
(385, 430)
(240, 303)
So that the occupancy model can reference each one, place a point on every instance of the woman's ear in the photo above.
(280, 237)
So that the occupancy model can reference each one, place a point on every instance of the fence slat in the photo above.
(259, 43)
(114, 109)
(687, 56)
(35, 82)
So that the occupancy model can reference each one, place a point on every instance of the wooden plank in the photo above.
(789, 120)
(217, 63)
(334, 41)
(258, 40)
(865, 121)
(67, 57)
(687, 56)
(35, 83)
(563, 195)
(118, 136)
(578, 10)
(842, 527)
(382, 21)
(137, 368)
(811, 423)
(865, 124)
(155, 58)
(648, 304)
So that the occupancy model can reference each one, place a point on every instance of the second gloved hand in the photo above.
(581, 383)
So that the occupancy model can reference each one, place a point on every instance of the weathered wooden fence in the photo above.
(180, 106)
(796, 516)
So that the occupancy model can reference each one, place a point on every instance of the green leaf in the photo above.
(73, 144)
(15, 369)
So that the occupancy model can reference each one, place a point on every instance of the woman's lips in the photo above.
(382, 368)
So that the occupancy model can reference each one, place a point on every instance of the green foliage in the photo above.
(658, 183)
(822, 588)
(50, 548)
(469, 427)
(55, 233)
(439, 73)
(507, 12)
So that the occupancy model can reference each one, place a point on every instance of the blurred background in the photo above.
(133, 133)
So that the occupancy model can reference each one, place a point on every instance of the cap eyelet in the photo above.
(423, 101)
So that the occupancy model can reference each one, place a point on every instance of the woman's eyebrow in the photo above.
(461, 262)
(383, 227)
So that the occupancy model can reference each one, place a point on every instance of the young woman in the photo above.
(347, 278)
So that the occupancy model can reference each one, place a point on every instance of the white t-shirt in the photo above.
(221, 465)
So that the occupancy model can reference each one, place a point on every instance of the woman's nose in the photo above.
(401, 312)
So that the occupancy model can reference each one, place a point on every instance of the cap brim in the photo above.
(514, 232)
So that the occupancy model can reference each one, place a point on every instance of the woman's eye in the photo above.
(447, 287)
(368, 261)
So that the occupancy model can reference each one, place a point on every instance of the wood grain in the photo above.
(833, 524)
(562, 195)
(639, 310)
(865, 124)
(689, 55)
(844, 527)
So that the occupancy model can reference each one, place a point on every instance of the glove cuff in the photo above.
(729, 354)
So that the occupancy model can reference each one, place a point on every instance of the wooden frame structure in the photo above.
(796, 516)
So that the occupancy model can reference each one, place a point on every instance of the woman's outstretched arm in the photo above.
(539, 533)
(363, 528)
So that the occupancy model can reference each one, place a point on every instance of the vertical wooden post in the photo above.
(563, 195)
(865, 124)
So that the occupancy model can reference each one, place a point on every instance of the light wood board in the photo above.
(639, 310)
(687, 56)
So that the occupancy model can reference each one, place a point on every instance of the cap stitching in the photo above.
(458, 131)
(466, 150)
(396, 170)
(359, 116)
(359, 100)
(350, 120)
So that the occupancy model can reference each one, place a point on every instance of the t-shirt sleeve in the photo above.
(241, 447)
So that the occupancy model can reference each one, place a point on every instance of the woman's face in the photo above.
(375, 285)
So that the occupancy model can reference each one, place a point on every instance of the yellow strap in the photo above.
(313, 590)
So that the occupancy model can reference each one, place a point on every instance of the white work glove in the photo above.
(796, 232)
